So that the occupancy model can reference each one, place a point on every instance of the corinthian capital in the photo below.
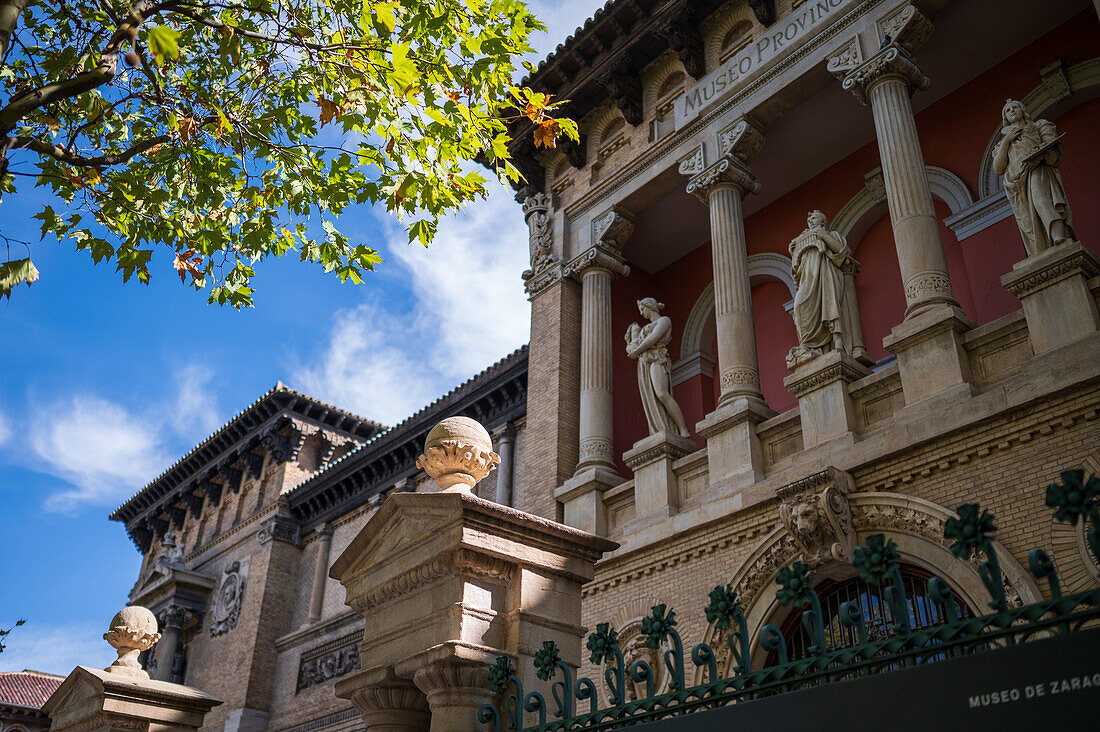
(729, 172)
(892, 62)
(598, 258)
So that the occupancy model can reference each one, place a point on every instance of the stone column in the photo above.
(172, 620)
(596, 268)
(122, 698)
(733, 448)
(506, 448)
(928, 343)
(456, 688)
(387, 703)
(320, 573)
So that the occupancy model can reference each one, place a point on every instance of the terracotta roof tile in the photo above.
(28, 688)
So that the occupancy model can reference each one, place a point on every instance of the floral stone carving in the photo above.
(133, 630)
(227, 605)
(458, 453)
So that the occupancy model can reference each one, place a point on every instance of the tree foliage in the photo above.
(223, 132)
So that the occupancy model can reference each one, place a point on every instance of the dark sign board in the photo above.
(1042, 685)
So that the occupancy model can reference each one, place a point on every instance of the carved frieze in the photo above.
(230, 598)
(596, 257)
(925, 284)
(317, 668)
(739, 377)
(816, 513)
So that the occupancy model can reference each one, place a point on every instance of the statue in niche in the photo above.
(826, 315)
(1028, 157)
(648, 344)
(171, 553)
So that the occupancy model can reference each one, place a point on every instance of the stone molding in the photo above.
(740, 376)
(280, 527)
(726, 173)
(805, 380)
(815, 512)
(660, 446)
(540, 279)
(596, 258)
(893, 62)
(1064, 261)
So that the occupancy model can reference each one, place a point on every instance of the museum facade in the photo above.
(816, 270)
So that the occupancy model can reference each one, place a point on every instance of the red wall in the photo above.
(954, 133)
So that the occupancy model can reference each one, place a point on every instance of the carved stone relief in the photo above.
(315, 669)
(227, 603)
(816, 513)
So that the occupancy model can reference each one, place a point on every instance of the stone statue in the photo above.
(649, 345)
(1028, 157)
(171, 553)
(826, 316)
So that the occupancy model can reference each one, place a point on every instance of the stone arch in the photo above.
(661, 70)
(716, 34)
(1063, 84)
(916, 525)
(699, 327)
(599, 124)
(627, 620)
(869, 203)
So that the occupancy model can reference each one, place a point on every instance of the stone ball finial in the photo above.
(132, 630)
(457, 454)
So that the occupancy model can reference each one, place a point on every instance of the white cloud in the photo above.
(99, 447)
(195, 414)
(469, 310)
(55, 649)
(5, 428)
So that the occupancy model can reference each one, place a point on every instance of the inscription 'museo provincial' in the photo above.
(779, 38)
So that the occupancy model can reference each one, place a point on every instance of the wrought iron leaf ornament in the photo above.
(971, 530)
(657, 626)
(723, 605)
(602, 641)
(1074, 498)
(796, 583)
(877, 559)
(546, 660)
(499, 673)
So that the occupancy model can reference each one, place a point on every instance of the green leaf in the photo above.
(14, 272)
(164, 43)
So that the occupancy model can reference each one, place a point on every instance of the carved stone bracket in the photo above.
(612, 228)
(816, 513)
(741, 140)
(907, 27)
(849, 57)
(625, 88)
(537, 280)
(693, 163)
(764, 10)
(575, 152)
(891, 62)
(684, 38)
(596, 257)
(280, 527)
(728, 171)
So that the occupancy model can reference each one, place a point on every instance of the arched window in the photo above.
(735, 40)
(923, 612)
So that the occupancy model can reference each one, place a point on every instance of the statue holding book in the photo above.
(1028, 157)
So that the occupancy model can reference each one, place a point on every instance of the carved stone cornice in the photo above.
(683, 37)
(816, 513)
(612, 228)
(729, 172)
(624, 87)
(596, 258)
(764, 10)
(844, 369)
(538, 279)
(892, 62)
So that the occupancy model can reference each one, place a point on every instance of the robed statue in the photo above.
(826, 315)
(648, 344)
(1028, 157)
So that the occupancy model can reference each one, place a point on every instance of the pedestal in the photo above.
(931, 356)
(1053, 288)
(733, 448)
(824, 404)
(656, 492)
(582, 499)
(448, 581)
(90, 699)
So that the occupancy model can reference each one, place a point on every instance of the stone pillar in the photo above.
(320, 573)
(506, 448)
(733, 448)
(596, 267)
(449, 581)
(656, 489)
(172, 620)
(1054, 290)
(824, 404)
(122, 698)
(928, 343)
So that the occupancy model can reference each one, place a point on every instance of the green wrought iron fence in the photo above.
(1075, 500)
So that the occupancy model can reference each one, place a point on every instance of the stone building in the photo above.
(851, 298)
(22, 695)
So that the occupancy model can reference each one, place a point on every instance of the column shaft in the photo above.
(912, 215)
(596, 404)
(506, 447)
(320, 574)
(737, 365)
(166, 652)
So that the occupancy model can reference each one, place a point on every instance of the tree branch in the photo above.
(59, 153)
(10, 10)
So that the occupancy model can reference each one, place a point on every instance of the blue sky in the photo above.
(102, 385)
